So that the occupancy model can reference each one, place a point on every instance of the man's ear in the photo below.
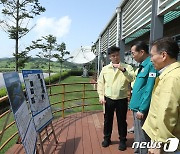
(142, 51)
(164, 55)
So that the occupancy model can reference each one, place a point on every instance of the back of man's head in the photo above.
(168, 45)
(113, 49)
(141, 45)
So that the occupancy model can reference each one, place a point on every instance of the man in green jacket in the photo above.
(112, 88)
(163, 120)
(141, 93)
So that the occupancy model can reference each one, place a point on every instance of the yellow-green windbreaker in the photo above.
(114, 83)
(163, 120)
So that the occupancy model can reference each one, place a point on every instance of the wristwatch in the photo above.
(124, 70)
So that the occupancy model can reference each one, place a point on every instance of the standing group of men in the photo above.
(155, 100)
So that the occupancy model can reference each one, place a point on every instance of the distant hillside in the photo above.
(8, 64)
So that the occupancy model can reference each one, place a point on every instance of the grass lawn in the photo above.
(74, 95)
(58, 98)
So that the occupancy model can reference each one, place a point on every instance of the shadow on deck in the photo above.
(81, 133)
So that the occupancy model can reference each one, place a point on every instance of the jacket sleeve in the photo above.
(101, 85)
(129, 73)
(146, 96)
(168, 114)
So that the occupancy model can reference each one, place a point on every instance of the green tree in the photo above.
(17, 14)
(61, 48)
(22, 58)
(47, 44)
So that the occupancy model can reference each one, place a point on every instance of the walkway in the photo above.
(81, 133)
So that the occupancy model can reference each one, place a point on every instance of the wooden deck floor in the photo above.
(82, 133)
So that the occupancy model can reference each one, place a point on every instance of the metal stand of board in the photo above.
(42, 140)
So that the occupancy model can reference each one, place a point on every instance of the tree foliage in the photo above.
(61, 48)
(22, 59)
(49, 48)
(46, 44)
(17, 15)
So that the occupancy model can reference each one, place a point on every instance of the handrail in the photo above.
(68, 92)
(7, 141)
(2, 115)
(61, 103)
(12, 123)
(4, 98)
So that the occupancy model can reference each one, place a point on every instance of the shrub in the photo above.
(54, 78)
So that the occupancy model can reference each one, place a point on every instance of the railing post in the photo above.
(63, 99)
(83, 98)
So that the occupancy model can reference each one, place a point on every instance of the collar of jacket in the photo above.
(145, 62)
(169, 69)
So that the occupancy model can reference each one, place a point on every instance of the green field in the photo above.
(71, 79)
(8, 64)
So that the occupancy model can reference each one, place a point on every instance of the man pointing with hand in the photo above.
(112, 88)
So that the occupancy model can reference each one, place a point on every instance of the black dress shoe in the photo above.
(122, 145)
(106, 143)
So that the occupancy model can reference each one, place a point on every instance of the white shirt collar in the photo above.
(161, 70)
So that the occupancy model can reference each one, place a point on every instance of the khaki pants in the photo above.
(160, 151)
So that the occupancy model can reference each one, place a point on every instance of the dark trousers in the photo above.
(120, 106)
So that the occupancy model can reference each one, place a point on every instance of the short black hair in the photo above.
(167, 44)
(113, 49)
(141, 45)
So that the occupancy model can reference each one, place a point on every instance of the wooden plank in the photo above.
(71, 134)
(115, 137)
(82, 133)
(86, 135)
(58, 127)
(130, 136)
(62, 138)
(49, 147)
(78, 146)
(93, 135)
(99, 131)
(115, 140)
(16, 149)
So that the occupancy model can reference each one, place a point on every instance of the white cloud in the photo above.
(57, 27)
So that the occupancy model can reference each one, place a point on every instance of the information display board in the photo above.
(21, 111)
(38, 98)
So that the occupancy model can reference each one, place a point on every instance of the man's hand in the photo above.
(118, 66)
(139, 115)
(102, 101)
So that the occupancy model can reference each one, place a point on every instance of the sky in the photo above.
(75, 22)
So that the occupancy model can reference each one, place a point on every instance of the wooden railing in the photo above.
(61, 94)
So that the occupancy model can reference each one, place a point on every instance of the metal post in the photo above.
(99, 56)
(122, 50)
(63, 99)
(156, 31)
(83, 98)
(54, 133)
(121, 41)
(107, 56)
(47, 134)
(118, 10)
